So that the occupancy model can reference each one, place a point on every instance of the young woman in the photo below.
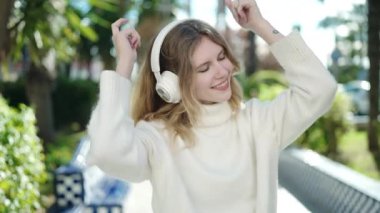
(187, 131)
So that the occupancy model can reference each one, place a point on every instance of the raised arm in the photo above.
(117, 146)
(311, 87)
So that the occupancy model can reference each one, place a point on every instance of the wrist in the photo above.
(124, 68)
(267, 32)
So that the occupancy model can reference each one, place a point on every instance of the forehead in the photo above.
(205, 50)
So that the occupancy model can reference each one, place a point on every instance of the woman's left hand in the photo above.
(126, 42)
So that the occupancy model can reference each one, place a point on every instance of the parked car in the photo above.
(358, 91)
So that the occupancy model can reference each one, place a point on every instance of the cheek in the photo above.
(201, 82)
(228, 65)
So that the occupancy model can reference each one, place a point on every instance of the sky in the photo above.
(283, 15)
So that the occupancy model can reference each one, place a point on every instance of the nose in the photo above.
(222, 70)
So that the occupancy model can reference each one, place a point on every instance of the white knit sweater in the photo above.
(234, 165)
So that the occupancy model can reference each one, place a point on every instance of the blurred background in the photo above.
(52, 52)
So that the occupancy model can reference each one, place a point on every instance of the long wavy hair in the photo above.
(176, 51)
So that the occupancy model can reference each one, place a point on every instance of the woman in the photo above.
(189, 134)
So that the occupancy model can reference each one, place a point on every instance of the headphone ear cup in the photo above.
(168, 87)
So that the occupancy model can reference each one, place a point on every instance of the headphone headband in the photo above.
(167, 85)
(156, 49)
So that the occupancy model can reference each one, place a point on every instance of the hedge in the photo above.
(22, 170)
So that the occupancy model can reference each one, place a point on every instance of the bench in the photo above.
(323, 185)
(79, 188)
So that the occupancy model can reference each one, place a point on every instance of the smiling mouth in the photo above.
(221, 86)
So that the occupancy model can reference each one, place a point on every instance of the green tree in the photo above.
(100, 19)
(42, 33)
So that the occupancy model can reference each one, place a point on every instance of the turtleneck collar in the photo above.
(214, 114)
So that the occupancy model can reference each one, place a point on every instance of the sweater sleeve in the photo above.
(117, 147)
(310, 94)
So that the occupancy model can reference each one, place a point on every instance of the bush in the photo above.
(22, 170)
(72, 100)
(14, 92)
(264, 85)
(326, 133)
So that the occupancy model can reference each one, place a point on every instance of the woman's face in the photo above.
(213, 70)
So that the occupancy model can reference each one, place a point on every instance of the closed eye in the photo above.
(204, 68)
(221, 55)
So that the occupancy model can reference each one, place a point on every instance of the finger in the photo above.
(228, 3)
(241, 14)
(232, 8)
(133, 37)
(130, 33)
(137, 40)
(138, 43)
(117, 24)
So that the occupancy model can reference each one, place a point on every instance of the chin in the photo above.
(227, 98)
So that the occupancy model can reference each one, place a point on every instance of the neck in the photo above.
(214, 114)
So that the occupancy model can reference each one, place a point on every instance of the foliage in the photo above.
(59, 153)
(62, 150)
(327, 132)
(14, 92)
(99, 16)
(42, 26)
(72, 100)
(21, 160)
(264, 84)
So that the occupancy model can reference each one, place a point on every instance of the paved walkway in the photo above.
(138, 201)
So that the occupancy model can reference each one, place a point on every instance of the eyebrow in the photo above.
(207, 62)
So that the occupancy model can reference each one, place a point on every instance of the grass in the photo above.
(353, 150)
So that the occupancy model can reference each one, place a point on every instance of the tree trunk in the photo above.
(374, 59)
(331, 139)
(5, 12)
(38, 90)
(250, 54)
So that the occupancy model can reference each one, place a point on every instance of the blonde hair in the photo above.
(176, 51)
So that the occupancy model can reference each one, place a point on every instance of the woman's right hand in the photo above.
(126, 42)
(248, 15)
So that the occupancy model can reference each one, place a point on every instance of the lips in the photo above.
(222, 85)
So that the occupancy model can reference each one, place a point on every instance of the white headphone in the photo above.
(167, 85)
